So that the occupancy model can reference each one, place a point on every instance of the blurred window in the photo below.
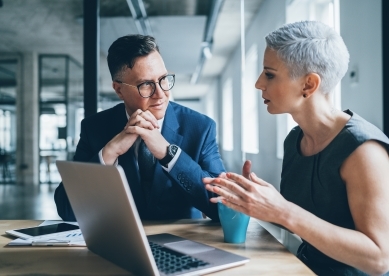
(250, 139)
(228, 115)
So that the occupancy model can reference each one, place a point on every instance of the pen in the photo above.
(48, 243)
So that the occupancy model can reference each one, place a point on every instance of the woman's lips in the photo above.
(266, 101)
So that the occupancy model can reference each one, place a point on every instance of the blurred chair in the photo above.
(49, 158)
(5, 160)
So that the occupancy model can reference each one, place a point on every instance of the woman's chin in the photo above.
(271, 110)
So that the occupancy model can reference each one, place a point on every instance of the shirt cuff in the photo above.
(171, 164)
(102, 160)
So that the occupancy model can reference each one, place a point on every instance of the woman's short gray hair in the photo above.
(311, 47)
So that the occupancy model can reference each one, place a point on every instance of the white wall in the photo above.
(232, 159)
(210, 104)
(210, 101)
(361, 29)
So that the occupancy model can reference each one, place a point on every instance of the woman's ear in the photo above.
(311, 85)
(118, 89)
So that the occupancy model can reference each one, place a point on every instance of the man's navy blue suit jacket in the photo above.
(175, 195)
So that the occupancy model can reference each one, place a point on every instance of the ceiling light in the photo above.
(139, 14)
(207, 52)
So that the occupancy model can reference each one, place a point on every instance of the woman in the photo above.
(335, 172)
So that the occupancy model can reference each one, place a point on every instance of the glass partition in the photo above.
(8, 87)
(60, 97)
(75, 107)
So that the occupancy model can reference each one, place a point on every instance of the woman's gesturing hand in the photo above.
(250, 195)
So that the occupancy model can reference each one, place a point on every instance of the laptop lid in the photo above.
(106, 213)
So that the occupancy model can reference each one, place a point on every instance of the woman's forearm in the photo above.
(345, 245)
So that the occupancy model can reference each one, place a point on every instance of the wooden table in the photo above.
(267, 255)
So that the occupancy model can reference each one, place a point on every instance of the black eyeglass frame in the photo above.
(151, 82)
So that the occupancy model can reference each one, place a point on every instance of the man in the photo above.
(164, 148)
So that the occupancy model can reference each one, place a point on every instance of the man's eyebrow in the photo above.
(146, 80)
(269, 68)
(142, 81)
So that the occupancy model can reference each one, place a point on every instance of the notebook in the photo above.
(109, 221)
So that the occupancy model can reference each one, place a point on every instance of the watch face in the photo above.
(172, 150)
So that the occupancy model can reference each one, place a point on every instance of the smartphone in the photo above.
(52, 229)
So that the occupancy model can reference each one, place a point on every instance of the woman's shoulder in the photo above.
(361, 130)
(293, 135)
(292, 140)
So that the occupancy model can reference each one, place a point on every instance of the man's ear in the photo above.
(118, 89)
(311, 85)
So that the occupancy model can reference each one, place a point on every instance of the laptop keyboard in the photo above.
(169, 261)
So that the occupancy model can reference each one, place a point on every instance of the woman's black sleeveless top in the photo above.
(314, 183)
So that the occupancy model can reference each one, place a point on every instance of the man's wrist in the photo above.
(108, 157)
(171, 151)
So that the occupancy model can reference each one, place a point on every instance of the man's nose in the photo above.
(158, 91)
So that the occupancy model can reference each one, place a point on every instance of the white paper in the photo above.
(76, 239)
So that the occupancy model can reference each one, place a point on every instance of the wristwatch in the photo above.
(170, 153)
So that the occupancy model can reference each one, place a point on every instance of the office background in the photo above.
(46, 75)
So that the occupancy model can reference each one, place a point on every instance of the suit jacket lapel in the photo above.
(171, 126)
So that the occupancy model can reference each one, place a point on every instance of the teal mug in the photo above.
(234, 224)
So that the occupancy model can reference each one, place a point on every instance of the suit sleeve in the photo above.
(84, 153)
(188, 174)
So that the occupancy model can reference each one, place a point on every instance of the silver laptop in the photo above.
(109, 221)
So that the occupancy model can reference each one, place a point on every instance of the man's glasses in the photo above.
(147, 89)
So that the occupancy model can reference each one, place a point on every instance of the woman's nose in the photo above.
(259, 84)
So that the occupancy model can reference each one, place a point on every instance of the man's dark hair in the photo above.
(123, 52)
